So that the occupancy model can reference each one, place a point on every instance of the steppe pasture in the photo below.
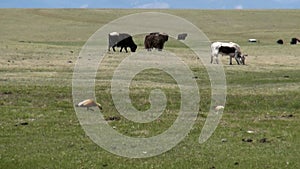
(39, 127)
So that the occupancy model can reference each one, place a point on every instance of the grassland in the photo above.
(39, 127)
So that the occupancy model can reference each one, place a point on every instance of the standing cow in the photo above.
(155, 40)
(231, 49)
(122, 40)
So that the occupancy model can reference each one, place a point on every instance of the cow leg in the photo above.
(237, 61)
(230, 60)
(243, 60)
(113, 47)
(109, 45)
(217, 58)
(214, 56)
(161, 46)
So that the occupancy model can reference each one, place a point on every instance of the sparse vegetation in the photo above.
(39, 127)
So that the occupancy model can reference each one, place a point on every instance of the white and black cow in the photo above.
(122, 40)
(224, 48)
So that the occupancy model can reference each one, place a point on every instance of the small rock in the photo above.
(249, 140)
(252, 40)
(287, 116)
(224, 140)
(24, 123)
(263, 140)
(250, 131)
(32, 119)
(113, 118)
(70, 61)
(7, 92)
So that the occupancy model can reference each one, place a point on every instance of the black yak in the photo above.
(155, 40)
(122, 40)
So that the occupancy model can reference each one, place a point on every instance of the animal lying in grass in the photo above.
(89, 103)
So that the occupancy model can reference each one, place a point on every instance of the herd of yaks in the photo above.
(293, 41)
(156, 40)
(124, 40)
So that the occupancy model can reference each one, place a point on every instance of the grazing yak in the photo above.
(231, 49)
(122, 40)
(294, 41)
(155, 40)
(280, 41)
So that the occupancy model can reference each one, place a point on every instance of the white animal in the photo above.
(217, 108)
(89, 103)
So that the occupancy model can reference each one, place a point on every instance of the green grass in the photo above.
(38, 53)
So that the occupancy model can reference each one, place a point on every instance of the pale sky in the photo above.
(172, 4)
